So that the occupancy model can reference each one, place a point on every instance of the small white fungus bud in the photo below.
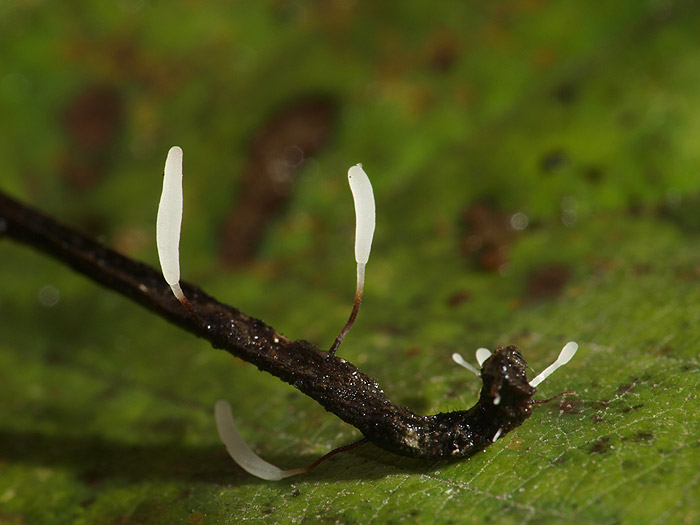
(482, 354)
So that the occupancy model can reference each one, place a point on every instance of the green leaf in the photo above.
(582, 118)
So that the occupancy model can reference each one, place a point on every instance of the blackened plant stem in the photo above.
(332, 381)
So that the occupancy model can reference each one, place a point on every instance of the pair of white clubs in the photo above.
(168, 227)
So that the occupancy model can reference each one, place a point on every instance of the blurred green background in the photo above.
(537, 176)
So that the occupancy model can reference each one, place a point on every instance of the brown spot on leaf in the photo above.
(12, 519)
(627, 387)
(92, 119)
(412, 351)
(602, 446)
(92, 478)
(281, 146)
(92, 116)
(488, 236)
(571, 407)
(444, 52)
(458, 298)
(548, 281)
(688, 274)
(196, 517)
(554, 161)
(593, 174)
(641, 436)
(566, 93)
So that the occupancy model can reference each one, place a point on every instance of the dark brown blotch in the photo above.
(626, 388)
(602, 446)
(92, 119)
(458, 298)
(554, 161)
(571, 407)
(640, 437)
(548, 281)
(487, 237)
(566, 93)
(280, 148)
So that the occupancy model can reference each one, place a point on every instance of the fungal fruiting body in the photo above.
(505, 400)
(168, 229)
(365, 220)
(565, 356)
(169, 221)
(169, 224)
(239, 450)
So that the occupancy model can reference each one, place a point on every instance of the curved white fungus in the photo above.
(239, 450)
(365, 213)
(482, 354)
(457, 358)
(169, 220)
(564, 357)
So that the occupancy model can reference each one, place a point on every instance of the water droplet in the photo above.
(519, 221)
(48, 296)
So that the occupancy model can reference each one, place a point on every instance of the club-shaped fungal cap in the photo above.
(365, 212)
(565, 356)
(457, 358)
(169, 220)
(482, 354)
(239, 450)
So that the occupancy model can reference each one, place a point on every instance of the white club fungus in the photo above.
(564, 357)
(365, 212)
(241, 452)
(457, 358)
(169, 221)
(482, 354)
(365, 220)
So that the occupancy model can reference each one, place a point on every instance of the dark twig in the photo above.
(332, 381)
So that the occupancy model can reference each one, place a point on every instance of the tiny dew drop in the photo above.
(49, 296)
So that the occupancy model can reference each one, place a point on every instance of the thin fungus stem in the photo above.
(355, 308)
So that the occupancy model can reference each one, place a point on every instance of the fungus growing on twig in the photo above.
(335, 383)
(239, 450)
(482, 354)
(169, 223)
(502, 371)
(457, 358)
(365, 220)
(565, 356)
(236, 446)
